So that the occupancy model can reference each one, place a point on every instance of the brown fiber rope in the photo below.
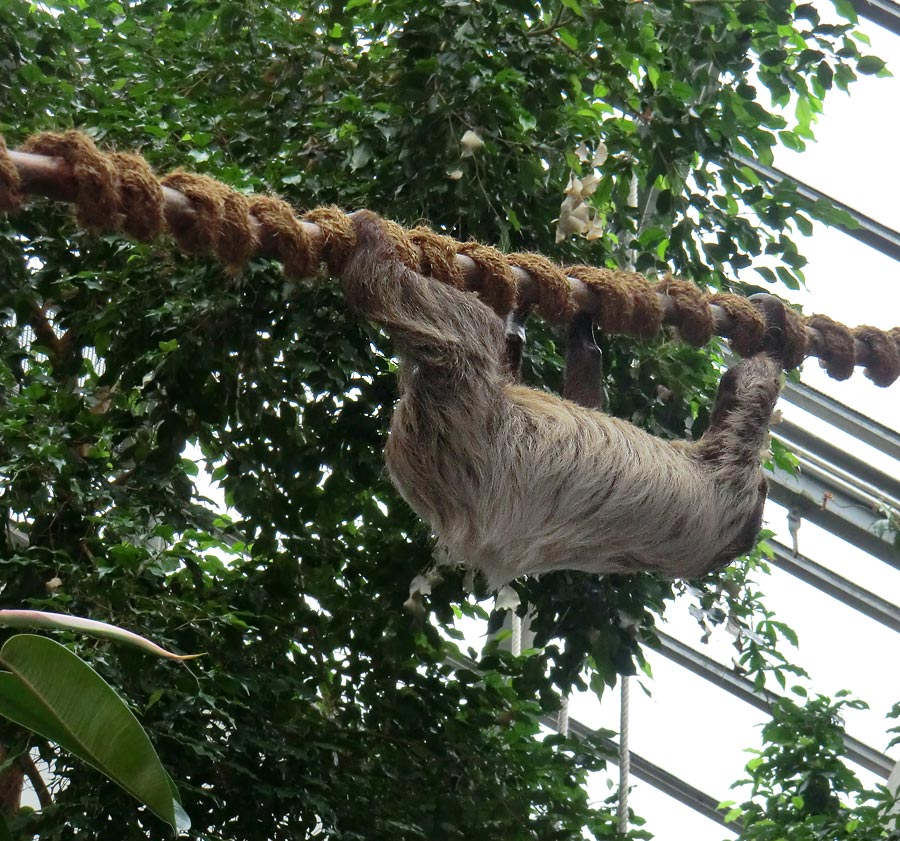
(117, 192)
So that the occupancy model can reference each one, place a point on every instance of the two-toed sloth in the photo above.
(515, 481)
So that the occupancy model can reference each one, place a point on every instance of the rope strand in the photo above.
(562, 719)
(624, 756)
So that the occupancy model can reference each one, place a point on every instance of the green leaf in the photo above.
(568, 39)
(773, 57)
(804, 111)
(825, 75)
(52, 691)
(733, 814)
(791, 140)
(575, 6)
(846, 9)
(17, 704)
(101, 342)
(869, 65)
(362, 154)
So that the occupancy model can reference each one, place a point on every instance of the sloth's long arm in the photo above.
(447, 334)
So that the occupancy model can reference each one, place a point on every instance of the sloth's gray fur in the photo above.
(515, 481)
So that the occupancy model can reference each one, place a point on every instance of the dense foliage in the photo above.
(801, 789)
(324, 708)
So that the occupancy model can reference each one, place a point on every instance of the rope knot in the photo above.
(11, 195)
(748, 333)
(292, 245)
(338, 235)
(785, 337)
(97, 205)
(438, 258)
(694, 317)
(837, 352)
(613, 294)
(883, 365)
(221, 223)
(497, 287)
(554, 293)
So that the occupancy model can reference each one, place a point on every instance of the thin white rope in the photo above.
(631, 255)
(624, 756)
(515, 644)
(562, 720)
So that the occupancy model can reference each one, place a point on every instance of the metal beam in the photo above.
(678, 789)
(882, 12)
(742, 688)
(838, 491)
(837, 587)
(848, 420)
(837, 506)
(659, 778)
(852, 469)
(869, 231)
(642, 768)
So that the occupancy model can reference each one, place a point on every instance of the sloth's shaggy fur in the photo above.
(515, 481)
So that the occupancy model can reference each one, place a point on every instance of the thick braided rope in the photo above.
(117, 192)
(696, 324)
(749, 333)
(97, 205)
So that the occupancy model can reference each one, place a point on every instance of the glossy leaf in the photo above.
(50, 690)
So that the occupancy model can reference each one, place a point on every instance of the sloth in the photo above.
(514, 481)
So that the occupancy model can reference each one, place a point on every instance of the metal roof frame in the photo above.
(864, 601)
(763, 699)
(849, 510)
(868, 230)
(642, 768)
(882, 12)
(842, 417)
(849, 468)
(658, 777)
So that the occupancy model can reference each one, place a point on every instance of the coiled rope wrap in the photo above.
(117, 192)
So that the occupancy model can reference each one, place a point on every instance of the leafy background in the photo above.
(324, 708)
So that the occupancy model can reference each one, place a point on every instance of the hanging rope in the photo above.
(624, 755)
(515, 644)
(562, 720)
(114, 192)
